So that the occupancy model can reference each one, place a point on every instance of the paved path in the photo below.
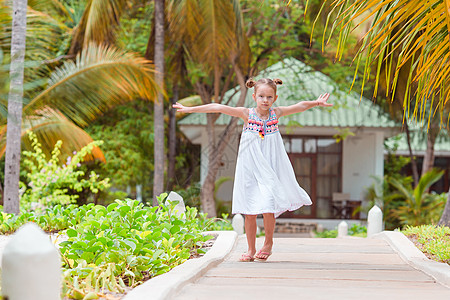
(302, 268)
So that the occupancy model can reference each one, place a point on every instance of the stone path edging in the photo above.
(414, 257)
(164, 286)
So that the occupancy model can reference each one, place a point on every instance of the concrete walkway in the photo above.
(302, 268)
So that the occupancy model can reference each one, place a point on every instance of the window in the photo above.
(317, 163)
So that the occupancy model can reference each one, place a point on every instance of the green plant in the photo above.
(432, 240)
(419, 206)
(126, 243)
(326, 234)
(49, 183)
(215, 224)
(357, 230)
(354, 230)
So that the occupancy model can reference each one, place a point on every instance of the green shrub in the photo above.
(119, 246)
(49, 183)
(354, 230)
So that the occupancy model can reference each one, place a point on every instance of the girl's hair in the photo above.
(270, 82)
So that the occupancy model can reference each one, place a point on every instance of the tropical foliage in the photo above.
(402, 33)
(49, 183)
(110, 249)
(419, 206)
(61, 95)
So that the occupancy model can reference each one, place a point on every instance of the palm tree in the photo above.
(212, 34)
(78, 92)
(12, 161)
(403, 33)
(99, 24)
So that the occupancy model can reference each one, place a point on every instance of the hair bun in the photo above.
(250, 83)
(277, 81)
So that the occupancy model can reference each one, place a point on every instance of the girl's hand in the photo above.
(181, 108)
(322, 100)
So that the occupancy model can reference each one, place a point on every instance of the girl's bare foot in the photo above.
(247, 256)
(264, 253)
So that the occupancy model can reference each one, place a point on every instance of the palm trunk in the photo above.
(158, 177)
(172, 140)
(13, 134)
(445, 218)
(428, 159)
(411, 156)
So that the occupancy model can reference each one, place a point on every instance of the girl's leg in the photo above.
(269, 228)
(250, 232)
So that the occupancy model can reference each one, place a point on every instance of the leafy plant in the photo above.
(49, 183)
(432, 240)
(354, 230)
(126, 243)
(419, 207)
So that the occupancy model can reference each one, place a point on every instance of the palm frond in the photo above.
(50, 126)
(45, 33)
(427, 180)
(100, 78)
(98, 24)
(51, 7)
(403, 33)
(217, 37)
(405, 191)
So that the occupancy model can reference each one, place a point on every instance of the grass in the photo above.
(433, 241)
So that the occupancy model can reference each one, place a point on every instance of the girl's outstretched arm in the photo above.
(302, 106)
(240, 112)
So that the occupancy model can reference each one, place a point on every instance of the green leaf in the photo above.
(175, 229)
(71, 232)
(112, 206)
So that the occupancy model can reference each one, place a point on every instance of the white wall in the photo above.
(362, 158)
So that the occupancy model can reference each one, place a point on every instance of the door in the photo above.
(304, 165)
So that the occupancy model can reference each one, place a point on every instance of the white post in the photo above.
(374, 221)
(31, 266)
(238, 223)
(342, 229)
(179, 207)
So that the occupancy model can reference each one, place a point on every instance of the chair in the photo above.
(339, 204)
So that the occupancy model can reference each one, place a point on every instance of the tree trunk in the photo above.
(428, 159)
(216, 151)
(411, 156)
(158, 177)
(172, 140)
(445, 218)
(13, 134)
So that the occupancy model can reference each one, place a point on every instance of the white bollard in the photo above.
(374, 221)
(179, 207)
(238, 223)
(31, 266)
(342, 229)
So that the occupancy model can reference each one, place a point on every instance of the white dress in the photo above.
(265, 180)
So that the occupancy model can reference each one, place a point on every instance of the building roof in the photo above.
(419, 142)
(300, 83)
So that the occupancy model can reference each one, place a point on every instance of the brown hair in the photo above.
(270, 82)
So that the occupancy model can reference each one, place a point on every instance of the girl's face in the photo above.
(264, 97)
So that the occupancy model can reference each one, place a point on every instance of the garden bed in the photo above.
(110, 250)
(433, 241)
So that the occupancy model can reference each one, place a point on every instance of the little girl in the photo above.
(264, 182)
